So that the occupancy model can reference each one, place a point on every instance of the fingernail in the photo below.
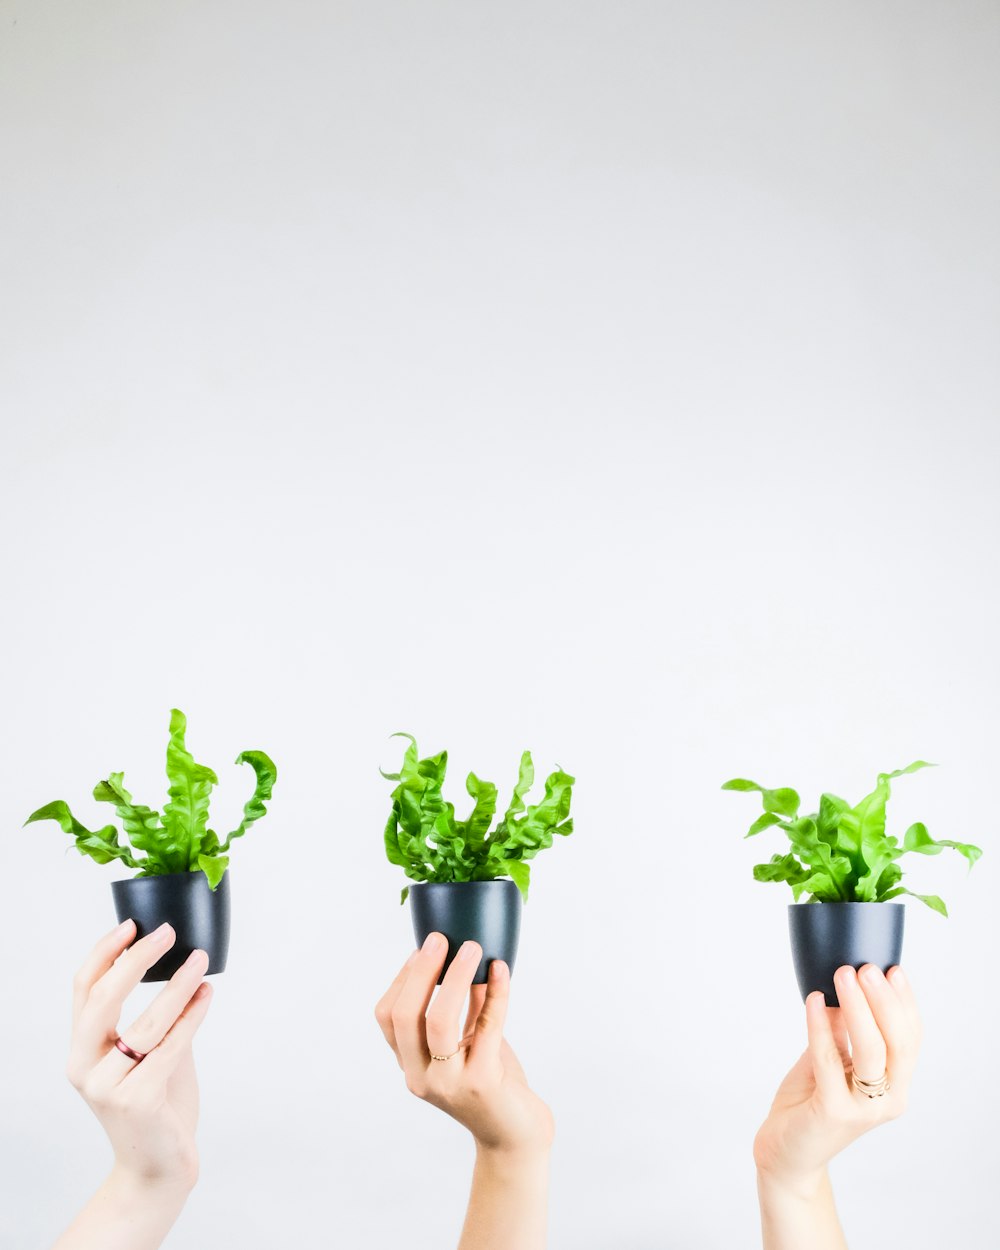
(432, 942)
(124, 927)
(898, 976)
(196, 957)
(497, 967)
(470, 951)
(161, 934)
(870, 974)
(203, 990)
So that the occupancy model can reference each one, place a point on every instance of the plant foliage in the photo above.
(842, 853)
(179, 840)
(424, 837)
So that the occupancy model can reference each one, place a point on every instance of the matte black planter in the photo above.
(199, 916)
(825, 936)
(487, 912)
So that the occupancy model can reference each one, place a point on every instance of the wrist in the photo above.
(129, 1186)
(806, 1187)
(510, 1159)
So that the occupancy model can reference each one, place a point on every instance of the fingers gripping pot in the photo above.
(487, 912)
(198, 915)
(826, 936)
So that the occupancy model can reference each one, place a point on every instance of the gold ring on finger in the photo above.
(871, 1089)
(461, 1046)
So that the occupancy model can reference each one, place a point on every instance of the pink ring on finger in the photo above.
(127, 1051)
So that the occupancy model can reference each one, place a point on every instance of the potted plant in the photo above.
(843, 859)
(183, 874)
(470, 879)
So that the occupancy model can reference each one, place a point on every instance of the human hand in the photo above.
(148, 1109)
(481, 1085)
(817, 1110)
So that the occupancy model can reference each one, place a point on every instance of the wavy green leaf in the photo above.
(915, 767)
(393, 851)
(781, 868)
(185, 815)
(141, 825)
(214, 867)
(820, 886)
(254, 809)
(932, 900)
(763, 822)
(520, 873)
(485, 795)
(780, 802)
(409, 758)
(887, 882)
(918, 839)
(828, 818)
(525, 780)
(100, 845)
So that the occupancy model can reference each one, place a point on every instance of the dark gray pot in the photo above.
(199, 916)
(825, 936)
(487, 912)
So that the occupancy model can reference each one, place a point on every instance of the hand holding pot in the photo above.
(144, 1091)
(818, 1110)
(473, 1075)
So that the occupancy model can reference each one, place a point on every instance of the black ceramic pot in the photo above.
(487, 912)
(825, 936)
(198, 914)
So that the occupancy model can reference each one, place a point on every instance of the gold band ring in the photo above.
(871, 1089)
(461, 1046)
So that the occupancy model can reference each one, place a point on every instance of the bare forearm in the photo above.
(508, 1206)
(798, 1214)
(125, 1214)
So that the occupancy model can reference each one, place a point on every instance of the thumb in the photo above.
(827, 1060)
(488, 1037)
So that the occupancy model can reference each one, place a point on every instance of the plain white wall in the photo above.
(618, 380)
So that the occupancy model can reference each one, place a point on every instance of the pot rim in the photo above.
(847, 903)
(167, 876)
(416, 885)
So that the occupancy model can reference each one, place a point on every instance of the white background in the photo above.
(617, 380)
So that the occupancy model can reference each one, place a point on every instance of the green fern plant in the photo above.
(179, 840)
